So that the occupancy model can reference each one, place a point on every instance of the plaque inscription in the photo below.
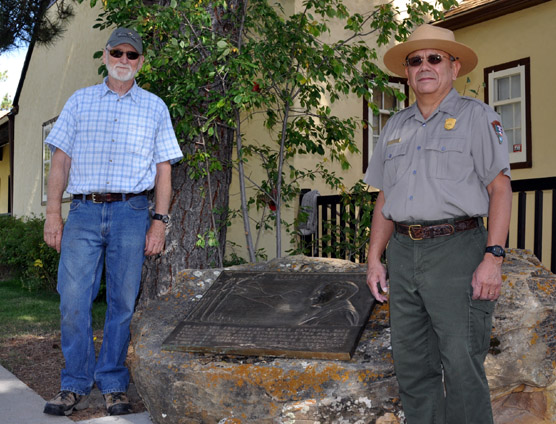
(301, 315)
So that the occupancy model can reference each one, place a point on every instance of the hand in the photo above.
(53, 228)
(487, 278)
(376, 274)
(156, 237)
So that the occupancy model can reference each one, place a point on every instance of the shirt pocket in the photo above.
(395, 163)
(446, 159)
(140, 146)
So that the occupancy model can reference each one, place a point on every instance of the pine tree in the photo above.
(23, 21)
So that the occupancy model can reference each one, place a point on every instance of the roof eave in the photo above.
(485, 12)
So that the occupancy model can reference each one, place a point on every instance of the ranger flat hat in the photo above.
(126, 36)
(429, 36)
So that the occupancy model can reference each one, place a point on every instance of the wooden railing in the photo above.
(533, 222)
(330, 240)
(338, 233)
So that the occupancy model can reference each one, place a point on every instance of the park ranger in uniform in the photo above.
(441, 165)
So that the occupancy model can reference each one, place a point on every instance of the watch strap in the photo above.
(163, 218)
(496, 250)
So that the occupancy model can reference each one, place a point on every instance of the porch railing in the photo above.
(338, 232)
(531, 227)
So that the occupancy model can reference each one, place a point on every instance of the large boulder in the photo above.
(180, 387)
(520, 366)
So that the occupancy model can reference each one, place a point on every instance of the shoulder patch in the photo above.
(498, 130)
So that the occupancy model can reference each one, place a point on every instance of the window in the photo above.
(387, 104)
(508, 92)
(46, 160)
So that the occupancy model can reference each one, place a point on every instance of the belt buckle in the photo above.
(94, 198)
(452, 230)
(410, 232)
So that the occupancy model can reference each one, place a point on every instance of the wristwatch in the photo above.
(496, 250)
(163, 218)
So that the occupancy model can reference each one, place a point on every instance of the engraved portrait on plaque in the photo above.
(302, 315)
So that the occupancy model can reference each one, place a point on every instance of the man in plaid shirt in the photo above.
(111, 144)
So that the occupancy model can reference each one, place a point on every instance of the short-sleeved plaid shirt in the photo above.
(114, 142)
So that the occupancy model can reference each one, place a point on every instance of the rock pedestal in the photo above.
(522, 360)
(179, 387)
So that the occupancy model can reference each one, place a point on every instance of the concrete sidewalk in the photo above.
(21, 405)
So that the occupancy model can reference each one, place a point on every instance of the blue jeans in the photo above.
(97, 235)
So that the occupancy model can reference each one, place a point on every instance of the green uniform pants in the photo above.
(440, 337)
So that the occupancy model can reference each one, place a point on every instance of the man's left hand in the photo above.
(156, 237)
(487, 278)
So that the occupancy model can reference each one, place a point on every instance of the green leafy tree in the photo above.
(23, 21)
(293, 63)
(6, 101)
(218, 64)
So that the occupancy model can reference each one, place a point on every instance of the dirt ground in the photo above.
(38, 360)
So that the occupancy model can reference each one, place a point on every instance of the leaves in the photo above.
(24, 21)
(220, 63)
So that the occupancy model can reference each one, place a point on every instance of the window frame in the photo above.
(367, 113)
(518, 160)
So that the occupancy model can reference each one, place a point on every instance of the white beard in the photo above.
(116, 72)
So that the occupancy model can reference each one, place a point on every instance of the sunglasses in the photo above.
(433, 59)
(118, 53)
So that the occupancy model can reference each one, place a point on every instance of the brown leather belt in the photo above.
(108, 197)
(420, 232)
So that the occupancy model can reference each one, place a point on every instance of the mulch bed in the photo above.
(37, 362)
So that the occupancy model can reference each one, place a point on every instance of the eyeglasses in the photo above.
(433, 59)
(118, 53)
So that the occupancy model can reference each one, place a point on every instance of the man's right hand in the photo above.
(376, 280)
(53, 228)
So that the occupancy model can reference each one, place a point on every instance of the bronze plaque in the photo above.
(287, 314)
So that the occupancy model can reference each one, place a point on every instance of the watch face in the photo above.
(163, 218)
(496, 251)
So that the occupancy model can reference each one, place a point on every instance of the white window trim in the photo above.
(515, 157)
(399, 106)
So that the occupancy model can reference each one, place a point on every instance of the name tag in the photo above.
(397, 140)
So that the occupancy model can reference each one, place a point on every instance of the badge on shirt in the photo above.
(395, 141)
(450, 123)
(498, 130)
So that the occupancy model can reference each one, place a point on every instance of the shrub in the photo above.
(24, 251)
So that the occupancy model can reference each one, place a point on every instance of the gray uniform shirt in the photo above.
(439, 168)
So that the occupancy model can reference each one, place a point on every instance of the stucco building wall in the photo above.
(54, 73)
(525, 34)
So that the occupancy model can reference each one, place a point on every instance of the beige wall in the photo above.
(54, 73)
(528, 33)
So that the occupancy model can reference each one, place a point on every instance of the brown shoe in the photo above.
(117, 403)
(65, 402)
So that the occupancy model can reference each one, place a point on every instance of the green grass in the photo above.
(34, 313)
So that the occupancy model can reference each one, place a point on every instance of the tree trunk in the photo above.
(198, 205)
(190, 212)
